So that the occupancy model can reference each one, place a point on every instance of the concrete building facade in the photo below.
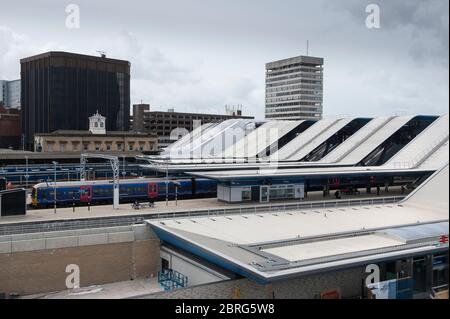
(79, 141)
(95, 140)
(170, 126)
(294, 89)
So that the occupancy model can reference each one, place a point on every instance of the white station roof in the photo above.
(260, 139)
(319, 139)
(273, 172)
(422, 145)
(376, 139)
(276, 245)
(356, 139)
(427, 151)
(211, 141)
(303, 139)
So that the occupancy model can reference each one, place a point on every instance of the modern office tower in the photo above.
(10, 93)
(294, 89)
(60, 90)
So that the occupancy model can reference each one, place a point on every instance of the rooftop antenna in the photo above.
(307, 47)
(102, 53)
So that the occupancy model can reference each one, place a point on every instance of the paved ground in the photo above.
(118, 290)
(160, 207)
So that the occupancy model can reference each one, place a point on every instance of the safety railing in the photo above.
(422, 156)
(100, 222)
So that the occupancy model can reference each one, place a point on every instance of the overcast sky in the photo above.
(198, 55)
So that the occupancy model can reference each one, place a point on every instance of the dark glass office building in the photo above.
(60, 90)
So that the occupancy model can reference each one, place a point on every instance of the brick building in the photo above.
(10, 128)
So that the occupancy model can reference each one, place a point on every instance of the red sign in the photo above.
(443, 239)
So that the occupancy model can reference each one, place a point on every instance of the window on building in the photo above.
(119, 146)
(440, 270)
(246, 194)
(97, 147)
(50, 147)
(62, 147)
(108, 147)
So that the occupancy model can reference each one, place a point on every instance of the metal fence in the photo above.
(101, 222)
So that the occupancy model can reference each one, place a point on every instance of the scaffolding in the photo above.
(115, 168)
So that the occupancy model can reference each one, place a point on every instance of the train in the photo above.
(20, 175)
(130, 190)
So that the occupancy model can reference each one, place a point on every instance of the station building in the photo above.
(317, 253)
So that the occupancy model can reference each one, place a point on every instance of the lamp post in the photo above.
(167, 182)
(177, 185)
(26, 173)
(123, 167)
(54, 188)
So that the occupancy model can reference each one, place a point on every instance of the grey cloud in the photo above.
(198, 55)
(15, 46)
(424, 22)
(149, 62)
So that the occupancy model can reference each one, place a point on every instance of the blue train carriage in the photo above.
(101, 192)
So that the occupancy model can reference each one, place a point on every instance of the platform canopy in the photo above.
(280, 244)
